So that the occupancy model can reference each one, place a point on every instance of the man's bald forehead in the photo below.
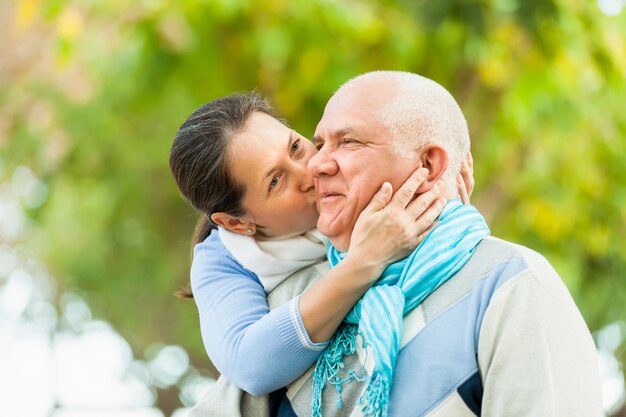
(375, 87)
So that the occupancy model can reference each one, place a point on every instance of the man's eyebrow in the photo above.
(341, 132)
(272, 169)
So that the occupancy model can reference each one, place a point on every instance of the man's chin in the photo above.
(332, 228)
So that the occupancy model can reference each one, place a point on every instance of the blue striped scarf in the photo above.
(377, 317)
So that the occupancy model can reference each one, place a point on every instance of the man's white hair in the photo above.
(421, 112)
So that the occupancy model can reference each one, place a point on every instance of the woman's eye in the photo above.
(295, 146)
(274, 181)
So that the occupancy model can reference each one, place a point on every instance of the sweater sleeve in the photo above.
(535, 353)
(257, 349)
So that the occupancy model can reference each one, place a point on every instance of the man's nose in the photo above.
(322, 163)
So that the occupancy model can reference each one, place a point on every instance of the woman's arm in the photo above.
(257, 349)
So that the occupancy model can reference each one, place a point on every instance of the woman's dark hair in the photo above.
(199, 159)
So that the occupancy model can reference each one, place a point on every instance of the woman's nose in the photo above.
(305, 179)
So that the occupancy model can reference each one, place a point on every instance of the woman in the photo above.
(245, 171)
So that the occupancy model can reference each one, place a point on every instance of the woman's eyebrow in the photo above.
(272, 169)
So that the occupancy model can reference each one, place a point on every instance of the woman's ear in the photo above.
(435, 159)
(234, 224)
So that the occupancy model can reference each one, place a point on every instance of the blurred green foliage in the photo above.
(92, 92)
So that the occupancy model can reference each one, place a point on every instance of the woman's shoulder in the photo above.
(212, 259)
(212, 245)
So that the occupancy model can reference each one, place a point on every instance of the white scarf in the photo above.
(273, 259)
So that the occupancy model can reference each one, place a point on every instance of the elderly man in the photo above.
(502, 336)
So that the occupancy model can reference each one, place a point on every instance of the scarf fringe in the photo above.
(330, 362)
(375, 399)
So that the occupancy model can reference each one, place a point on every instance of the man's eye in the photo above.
(318, 146)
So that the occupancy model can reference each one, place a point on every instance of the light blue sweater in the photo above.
(257, 349)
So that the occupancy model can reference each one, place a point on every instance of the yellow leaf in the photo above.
(26, 12)
(494, 71)
(70, 24)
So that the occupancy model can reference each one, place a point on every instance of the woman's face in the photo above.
(270, 160)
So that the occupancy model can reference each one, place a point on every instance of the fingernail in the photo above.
(385, 187)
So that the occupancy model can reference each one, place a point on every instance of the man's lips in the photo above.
(327, 199)
(328, 194)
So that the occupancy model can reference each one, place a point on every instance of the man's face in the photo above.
(355, 157)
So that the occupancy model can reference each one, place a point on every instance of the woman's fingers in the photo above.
(391, 227)
(425, 221)
(420, 238)
(467, 174)
(424, 200)
(406, 192)
(460, 183)
(380, 199)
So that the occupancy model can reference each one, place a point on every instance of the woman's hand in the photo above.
(465, 180)
(391, 227)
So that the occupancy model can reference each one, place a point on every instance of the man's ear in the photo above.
(234, 224)
(435, 159)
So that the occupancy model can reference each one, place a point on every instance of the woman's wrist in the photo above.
(363, 266)
(323, 306)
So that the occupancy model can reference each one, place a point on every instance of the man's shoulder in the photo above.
(494, 250)
(495, 263)
(297, 283)
(501, 260)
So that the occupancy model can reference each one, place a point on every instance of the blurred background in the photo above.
(94, 237)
